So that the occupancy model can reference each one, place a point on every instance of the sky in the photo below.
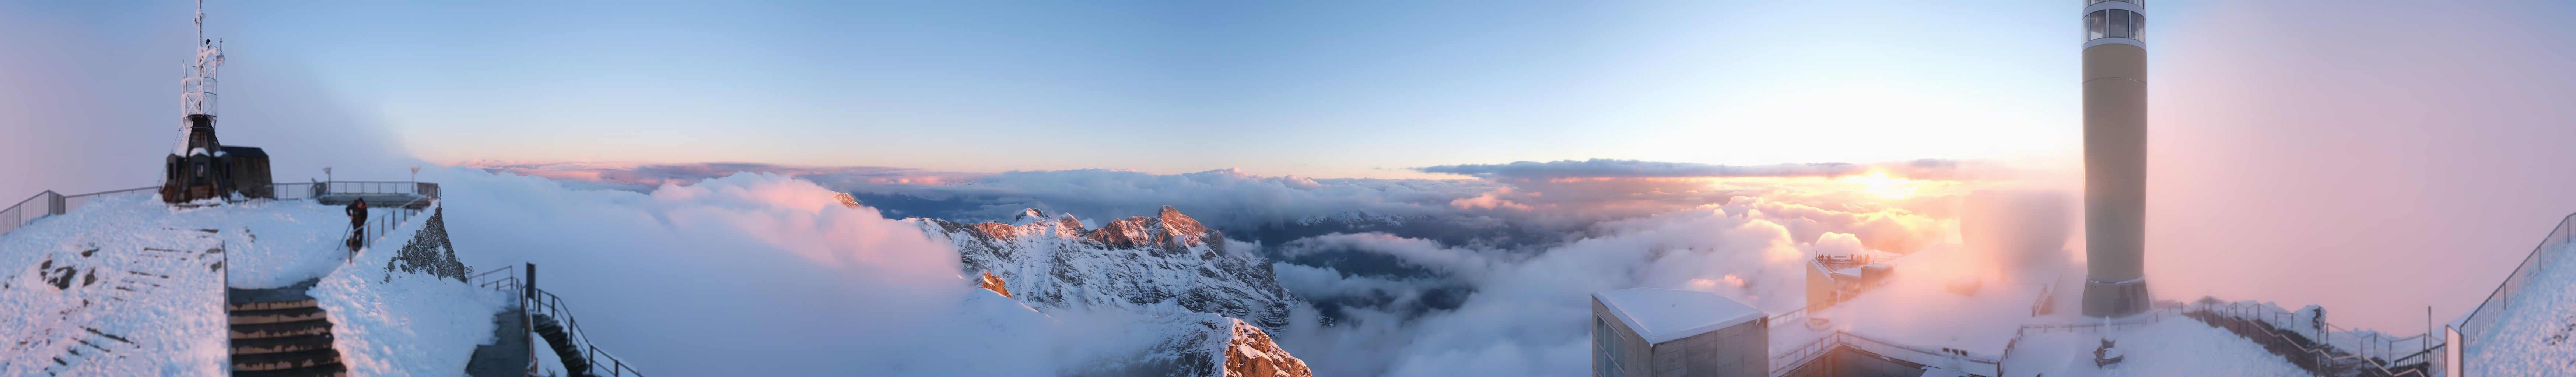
(1328, 88)
(2302, 151)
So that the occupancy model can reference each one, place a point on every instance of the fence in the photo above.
(379, 224)
(542, 302)
(2320, 344)
(426, 189)
(2550, 250)
(49, 203)
(1958, 360)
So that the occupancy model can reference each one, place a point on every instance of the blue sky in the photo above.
(1309, 88)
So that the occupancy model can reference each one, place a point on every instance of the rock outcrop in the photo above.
(1200, 345)
(1053, 262)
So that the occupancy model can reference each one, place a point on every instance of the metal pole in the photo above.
(531, 290)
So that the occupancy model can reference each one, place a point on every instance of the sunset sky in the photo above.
(2380, 136)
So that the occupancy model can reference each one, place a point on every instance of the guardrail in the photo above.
(2306, 348)
(2485, 315)
(552, 306)
(377, 225)
(49, 203)
(539, 302)
(1952, 359)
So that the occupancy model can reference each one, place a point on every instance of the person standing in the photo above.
(357, 221)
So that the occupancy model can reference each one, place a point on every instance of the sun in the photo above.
(1878, 183)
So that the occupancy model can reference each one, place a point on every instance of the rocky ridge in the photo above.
(1053, 262)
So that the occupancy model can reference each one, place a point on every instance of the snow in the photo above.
(2174, 346)
(1663, 315)
(2537, 335)
(392, 323)
(157, 306)
(1917, 307)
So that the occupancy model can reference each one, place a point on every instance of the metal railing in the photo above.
(539, 302)
(2485, 315)
(2305, 348)
(48, 204)
(378, 225)
(506, 280)
(2393, 350)
(427, 189)
(1952, 359)
(546, 303)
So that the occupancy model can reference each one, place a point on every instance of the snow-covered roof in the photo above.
(1662, 315)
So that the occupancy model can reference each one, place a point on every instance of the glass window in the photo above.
(2093, 25)
(2138, 26)
(2119, 23)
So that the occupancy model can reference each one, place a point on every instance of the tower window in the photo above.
(2115, 23)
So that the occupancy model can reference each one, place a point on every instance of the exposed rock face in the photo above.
(995, 284)
(1249, 353)
(1201, 345)
(1054, 263)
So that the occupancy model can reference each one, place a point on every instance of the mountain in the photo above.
(1054, 262)
(1200, 344)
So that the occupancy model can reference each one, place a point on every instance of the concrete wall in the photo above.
(1632, 351)
(1849, 362)
(1740, 350)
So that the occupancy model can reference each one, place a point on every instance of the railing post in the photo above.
(528, 289)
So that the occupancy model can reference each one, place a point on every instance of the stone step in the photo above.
(286, 360)
(282, 329)
(281, 344)
(253, 317)
(274, 305)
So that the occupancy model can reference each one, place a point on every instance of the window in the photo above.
(1606, 361)
(2120, 23)
(2093, 25)
(2137, 26)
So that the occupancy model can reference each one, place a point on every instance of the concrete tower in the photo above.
(2115, 158)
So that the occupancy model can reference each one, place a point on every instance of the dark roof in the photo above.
(244, 152)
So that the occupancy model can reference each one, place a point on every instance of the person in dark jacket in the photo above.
(357, 216)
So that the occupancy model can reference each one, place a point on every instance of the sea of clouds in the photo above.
(1458, 302)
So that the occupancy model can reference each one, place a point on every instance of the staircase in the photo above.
(2307, 354)
(561, 340)
(281, 333)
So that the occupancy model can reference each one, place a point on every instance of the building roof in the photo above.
(1662, 315)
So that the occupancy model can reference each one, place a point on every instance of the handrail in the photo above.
(1783, 363)
(553, 306)
(18, 215)
(2272, 324)
(540, 302)
(2476, 322)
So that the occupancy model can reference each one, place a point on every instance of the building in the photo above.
(201, 167)
(2115, 158)
(1834, 278)
(1664, 332)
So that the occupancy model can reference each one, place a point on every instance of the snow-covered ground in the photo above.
(142, 293)
(1916, 308)
(392, 323)
(2537, 335)
(2174, 346)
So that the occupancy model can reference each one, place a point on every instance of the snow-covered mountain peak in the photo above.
(1134, 263)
